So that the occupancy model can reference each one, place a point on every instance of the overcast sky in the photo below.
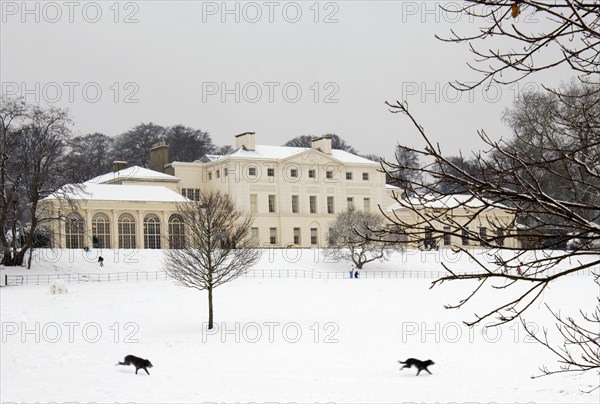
(280, 69)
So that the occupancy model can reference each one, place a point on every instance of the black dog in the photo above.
(139, 363)
(421, 365)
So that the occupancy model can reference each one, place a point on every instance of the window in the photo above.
(294, 173)
(311, 174)
(447, 236)
(100, 231)
(350, 203)
(482, 235)
(218, 173)
(253, 203)
(297, 235)
(295, 203)
(367, 204)
(225, 172)
(365, 176)
(126, 231)
(271, 172)
(210, 175)
(254, 235)
(329, 175)
(271, 203)
(191, 193)
(151, 231)
(500, 237)
(273, 235)
(176, 232)
(429, 242)
(252, 171)
(74, 231)
(465, 237)
(312, 200)
(313, 236)
(349, 175)
(330, 205)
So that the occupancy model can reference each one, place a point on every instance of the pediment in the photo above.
(312, 156)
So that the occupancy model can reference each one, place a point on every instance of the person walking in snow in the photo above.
(356, 274)
(101, 261)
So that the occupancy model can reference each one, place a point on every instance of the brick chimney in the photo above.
(119, 165)
(159, 156)
(322, 143)
(245, 141)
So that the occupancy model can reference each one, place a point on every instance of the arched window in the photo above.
(151, 231)
(74, 231)
(126, 231)
(176, 232)
(100, 231)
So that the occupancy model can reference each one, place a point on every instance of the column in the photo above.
(114, 228)
(140, 230)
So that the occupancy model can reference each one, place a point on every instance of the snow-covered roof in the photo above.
(135, 173)
(283, 152)
(117, 192)
(391, 187)
(213, 157)
(445, 202)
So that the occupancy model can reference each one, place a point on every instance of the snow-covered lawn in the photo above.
(278, 340)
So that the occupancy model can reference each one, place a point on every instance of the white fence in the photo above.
(17, 280)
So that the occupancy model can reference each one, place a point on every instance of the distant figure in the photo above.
(101, 261)
(86, 249)
(351, 272)
(356, 274)
(95, 242)
(519, 270)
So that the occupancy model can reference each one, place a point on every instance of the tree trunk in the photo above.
(19, 257)
(6, 255)
(29, 258)
(210, 308)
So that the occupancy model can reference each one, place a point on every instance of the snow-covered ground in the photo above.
(277, 340)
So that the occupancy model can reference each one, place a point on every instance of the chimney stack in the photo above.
(159, 156)
(322, 143)
(118, 165)
(245, 141)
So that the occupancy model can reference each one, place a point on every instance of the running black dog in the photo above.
(420, 365)
(139, 363)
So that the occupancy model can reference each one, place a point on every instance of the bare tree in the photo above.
(353, 236)
(88, 156)
(548, 175)
(217, 247)
(512, 179)
(134, 145)
(336, 142)
(187, 144)
(407, 158)
(579, 351)
(33, 150)
(535, 35)
(40, 155)
(12, 114)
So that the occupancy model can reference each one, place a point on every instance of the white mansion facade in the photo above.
(294, 194)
